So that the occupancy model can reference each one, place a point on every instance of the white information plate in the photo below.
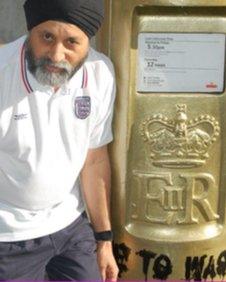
(180, 62)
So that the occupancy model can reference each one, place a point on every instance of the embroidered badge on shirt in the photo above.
(82, 107)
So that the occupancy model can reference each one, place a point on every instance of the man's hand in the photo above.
(106, 261)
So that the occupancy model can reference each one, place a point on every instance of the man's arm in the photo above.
(95, 178)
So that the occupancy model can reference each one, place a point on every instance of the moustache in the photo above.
(64, 66)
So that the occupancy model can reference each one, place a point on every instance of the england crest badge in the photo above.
(82, 107)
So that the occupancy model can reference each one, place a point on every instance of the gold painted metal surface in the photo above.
(169, 153)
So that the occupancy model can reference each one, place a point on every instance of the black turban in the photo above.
(85, 14)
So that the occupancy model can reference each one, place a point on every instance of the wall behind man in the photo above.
(12, 21)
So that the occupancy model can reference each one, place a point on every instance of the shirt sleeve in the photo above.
(102, 131)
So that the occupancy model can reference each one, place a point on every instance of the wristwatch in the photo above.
(104, 235)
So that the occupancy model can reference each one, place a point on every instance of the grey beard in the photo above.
(44, 77)
(51, 79)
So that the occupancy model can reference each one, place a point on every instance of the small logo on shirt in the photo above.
(20, 116)
(82, 107)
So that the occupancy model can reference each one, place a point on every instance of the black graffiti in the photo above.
(210, 269)
(147, 256)
(121, 253)
(194, 268)
(198, 268)
(221, 264)
(162, 265)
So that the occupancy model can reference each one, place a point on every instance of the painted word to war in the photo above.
(196, 268)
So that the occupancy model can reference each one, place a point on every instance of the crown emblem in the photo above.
(179, 142)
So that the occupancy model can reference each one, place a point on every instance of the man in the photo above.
(56, 97)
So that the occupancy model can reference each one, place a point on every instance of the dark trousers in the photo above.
(69, 254)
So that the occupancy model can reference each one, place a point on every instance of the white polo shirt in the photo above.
(44, 139)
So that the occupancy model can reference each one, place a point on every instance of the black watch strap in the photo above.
(104, 235)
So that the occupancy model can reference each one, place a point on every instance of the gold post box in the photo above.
(169, 153)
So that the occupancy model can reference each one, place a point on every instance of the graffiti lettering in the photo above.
(221, 264)
(197, 269)
(121, 253)
(162, 267)
(147, 256)
(159, 266)
(210, 269)
(194, 267)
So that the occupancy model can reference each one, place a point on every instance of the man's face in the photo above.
(55, 51)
